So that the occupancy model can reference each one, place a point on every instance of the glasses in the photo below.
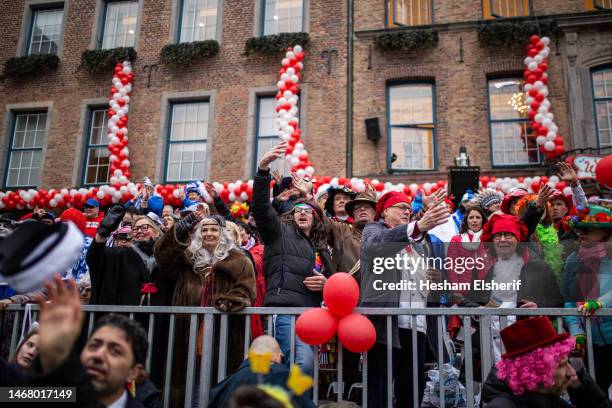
(505, 235)
(302, 210)
(403, 207)
(143, 228)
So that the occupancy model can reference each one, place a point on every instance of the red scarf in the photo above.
(587, 279)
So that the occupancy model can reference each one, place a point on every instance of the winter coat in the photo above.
(497, 394)
(289, 255)
(233, 277)
(118, 274)
(345, 241)
(91, 226)
(538, 283)
(278, 375)
(381, 241)
(602, 326)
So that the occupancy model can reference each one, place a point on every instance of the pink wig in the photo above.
(529, 371)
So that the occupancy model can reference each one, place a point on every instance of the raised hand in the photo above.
(276, 175)
(60, 322)
(566, 173)
(273, 154)
(434, 216)
(303, 186)
(543, 195)
(210, 189)
(434, 199)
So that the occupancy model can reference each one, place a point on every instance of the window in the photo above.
(96, 149)
(198, 20)
(46, 31)
(266, 136)
(282, 16)
(602, 98)
(505, 8)
(590, 5)
(411, 126)
(25, 150)
(408, 12)
(187, 141)
(511, 140)
(119, 25)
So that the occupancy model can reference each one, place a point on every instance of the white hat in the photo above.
(322, 190)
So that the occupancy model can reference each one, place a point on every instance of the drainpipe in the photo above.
(349, 93)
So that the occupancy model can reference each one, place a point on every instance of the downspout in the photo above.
(349, 93)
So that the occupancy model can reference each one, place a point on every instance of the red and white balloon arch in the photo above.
(121, 189)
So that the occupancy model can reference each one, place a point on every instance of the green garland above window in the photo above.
(272, 44)
(99, 61)
(510, 33)
(30, 65)
(187, 53)
(407, 40)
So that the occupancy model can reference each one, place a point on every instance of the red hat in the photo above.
(529, 334)
(504, 223)
(558, 195)
(388, 200)
(76, 216)
(516, 193)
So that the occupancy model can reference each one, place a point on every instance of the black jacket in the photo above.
(220, 393)
(117, 275)
(496, 394)
(289, 255)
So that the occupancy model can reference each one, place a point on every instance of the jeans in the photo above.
(304, 354)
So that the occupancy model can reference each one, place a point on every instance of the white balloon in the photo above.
(543, 110)
(284, 136)
(538, 117)
(540, 140)
(176, 193)
(127, 70)
(287, 93)
(123, 179)
(567, 191)
(538, 85)
(295, 161)
(126, 163)
(280, 84)
(532, 66)
(544, 91)
(297, 49)
(121, 113)
(545, 40)
(554, 128)
(116, 96)
(299, 65)
(547, 122)
(290, 71)
(549, 146)
(553, 179)
(232, 196)
(545, 52)
(528, 60)
(285, 61)
(284, 77)
(118, 173)
(538, 59)
(529, 100)
(301, 172)
(100, 194)
(551, 135)
(128, 88)
(295, 79)
(290, 54)
(310, 170)
(126, 98)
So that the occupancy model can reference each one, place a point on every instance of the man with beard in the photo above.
(113, 356)
(127, 275)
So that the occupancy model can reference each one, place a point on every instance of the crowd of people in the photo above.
(281, 255)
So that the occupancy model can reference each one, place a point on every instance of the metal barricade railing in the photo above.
(207, 316)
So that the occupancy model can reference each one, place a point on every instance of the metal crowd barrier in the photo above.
(206, 375)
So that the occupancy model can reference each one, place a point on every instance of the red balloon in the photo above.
(532, 52)
(539, 97)
(341, 294)
(534, 39)
(538, 72)
(535, 186)
(561, 185)
(603, 171)
(316, 326)
(544, 179)
(543, 66)
(535, 106)
(559, 150)
(531, 79)
(357, 333)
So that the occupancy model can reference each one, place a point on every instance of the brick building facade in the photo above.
(232, 89)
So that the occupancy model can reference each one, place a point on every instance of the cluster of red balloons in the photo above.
(541, 117)
(603, 171)
(287, 118)
(355, 331)
(119, 106)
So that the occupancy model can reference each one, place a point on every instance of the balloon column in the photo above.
(119, 106)
(287, 118)
(536, 97)
(355, 331)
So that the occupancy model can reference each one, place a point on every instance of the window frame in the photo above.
(487, 10)
(87, 145)
(10, 150)
(262, 21)
(44, 7)
(591, 5)
(491, 121)
(258, 99)
(102, 28)
(179, 28)
(168, 142)
(594, 100)
(390, 16)
(434, 138)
